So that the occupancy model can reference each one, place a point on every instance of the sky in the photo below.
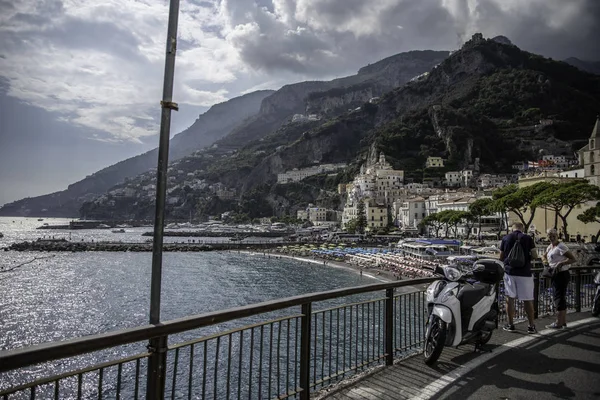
(81, 80)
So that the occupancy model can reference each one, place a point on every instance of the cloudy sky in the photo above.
(80, 80)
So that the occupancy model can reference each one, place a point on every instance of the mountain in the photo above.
(330, 98)
(588, 66)
(234, 124)
(483, 101)
(481, 106)
(210, 126)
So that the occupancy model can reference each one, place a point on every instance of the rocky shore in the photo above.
(219, 234)
(66, 245)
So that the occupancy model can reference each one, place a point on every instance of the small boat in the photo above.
(238, 238)
(103, 226)
(1, 235)
(118, 230)
(40, 219)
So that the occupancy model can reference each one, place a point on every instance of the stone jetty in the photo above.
(219, 234)
(65, 245)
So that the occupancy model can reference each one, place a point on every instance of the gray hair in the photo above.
(553, 231)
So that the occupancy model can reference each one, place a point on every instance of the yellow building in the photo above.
(434, 162)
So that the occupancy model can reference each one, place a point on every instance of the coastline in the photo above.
(379, 275)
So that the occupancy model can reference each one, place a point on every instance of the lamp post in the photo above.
(155, 387)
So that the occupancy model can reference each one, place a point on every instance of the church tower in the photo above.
(591, 156)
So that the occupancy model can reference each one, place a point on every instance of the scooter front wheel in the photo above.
(434, 340)
(596, 304)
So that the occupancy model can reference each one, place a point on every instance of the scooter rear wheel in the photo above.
(485, 337)
(435, 340)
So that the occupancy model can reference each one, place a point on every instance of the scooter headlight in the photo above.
(452, 274)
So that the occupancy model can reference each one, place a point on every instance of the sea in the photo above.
(49, 297)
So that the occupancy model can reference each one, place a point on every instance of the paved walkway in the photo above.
(549, 365)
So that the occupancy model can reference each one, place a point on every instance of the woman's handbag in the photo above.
(548, 271)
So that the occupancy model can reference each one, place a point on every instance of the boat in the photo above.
(40, 219)
(238, 238)
(103, 226)
(118, 230)
(1, 235)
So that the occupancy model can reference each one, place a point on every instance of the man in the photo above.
(518, 282)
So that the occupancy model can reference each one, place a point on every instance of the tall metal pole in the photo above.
(155, 387)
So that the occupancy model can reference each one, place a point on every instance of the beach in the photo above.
(373, 273)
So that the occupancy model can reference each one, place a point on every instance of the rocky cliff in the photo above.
(330, 98)
(210, 126)
(480, 93)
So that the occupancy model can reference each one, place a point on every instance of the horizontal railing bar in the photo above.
(232, 331)
(45, 381)
(352, 304)
(18, 358)
(288, 395)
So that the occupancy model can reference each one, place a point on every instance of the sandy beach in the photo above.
(375, 274)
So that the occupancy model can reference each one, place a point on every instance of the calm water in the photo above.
(21, 229)
(63, 295)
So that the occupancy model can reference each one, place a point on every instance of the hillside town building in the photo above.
(296, 175)
(589, 156)
(434, 162)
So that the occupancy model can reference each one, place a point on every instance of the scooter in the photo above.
(461, 311)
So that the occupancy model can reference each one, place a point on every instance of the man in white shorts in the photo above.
(518, 282)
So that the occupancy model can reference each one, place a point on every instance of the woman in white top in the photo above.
(558, 256)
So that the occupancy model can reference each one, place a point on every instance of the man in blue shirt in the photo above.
(518, 282)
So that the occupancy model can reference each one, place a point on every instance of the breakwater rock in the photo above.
(220, 234)
(65, 245)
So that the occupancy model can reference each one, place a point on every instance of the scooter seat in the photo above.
(470, 295)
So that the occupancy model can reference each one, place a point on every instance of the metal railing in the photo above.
(288, 355)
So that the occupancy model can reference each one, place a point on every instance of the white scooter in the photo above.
(461, 312)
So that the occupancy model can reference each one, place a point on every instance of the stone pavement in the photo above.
(548, 365)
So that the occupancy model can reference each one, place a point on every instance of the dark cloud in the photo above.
(338, 35)
(102, 36)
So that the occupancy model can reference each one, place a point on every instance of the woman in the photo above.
(558, 256)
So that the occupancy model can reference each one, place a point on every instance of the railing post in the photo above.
(305, 351)
(578, 290)
(389, 326)
(157, 362)
(536, 294)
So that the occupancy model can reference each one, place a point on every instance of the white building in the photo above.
(574, 173)
(411, 213)
(297, 175)
(453, 178)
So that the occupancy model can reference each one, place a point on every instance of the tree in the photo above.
(361, 219)
(351, 226)
(433, 221)
(480, 208)
(449, 218)
(469, 219)
(563, 197)
(591, 215)
(519, 200)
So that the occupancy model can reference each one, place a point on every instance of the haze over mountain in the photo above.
(96, 67)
